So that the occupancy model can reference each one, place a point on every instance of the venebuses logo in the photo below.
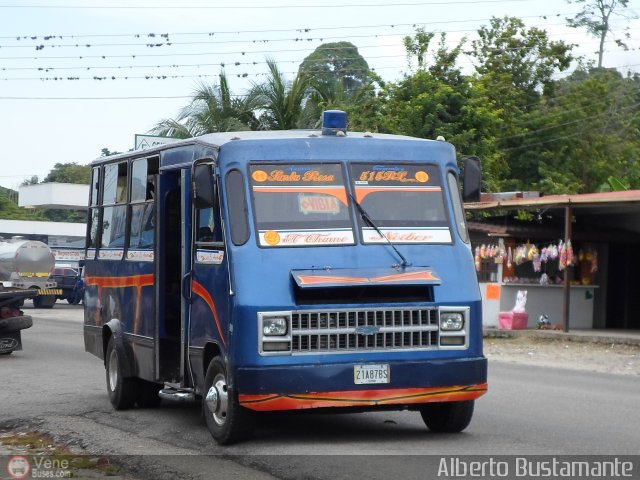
(18, 467)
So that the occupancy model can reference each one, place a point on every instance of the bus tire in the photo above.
(148, 394)
(227, 421)
(122, 391)
(447, 417)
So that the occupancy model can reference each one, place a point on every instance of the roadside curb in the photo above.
(582, 337)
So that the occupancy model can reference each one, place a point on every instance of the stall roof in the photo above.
(627, 197)
(602, 216)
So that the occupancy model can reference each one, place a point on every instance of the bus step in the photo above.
(175, 395)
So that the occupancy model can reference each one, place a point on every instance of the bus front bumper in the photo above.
(333, 386)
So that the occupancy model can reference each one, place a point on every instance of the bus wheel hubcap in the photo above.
(217, 400)
(113, 371)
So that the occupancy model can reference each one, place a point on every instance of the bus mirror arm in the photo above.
(186, 287)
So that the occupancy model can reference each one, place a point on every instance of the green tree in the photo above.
(588, 134)
(69, 173)
(340, 79)
(9, 209)
(418, 46)
(34, 180)
(595, 17)
(426, 104)
(508, 50)
(105, 152)
(514, 68)
(212, 109)
(281, 102)
(338, 63)
(439, 100)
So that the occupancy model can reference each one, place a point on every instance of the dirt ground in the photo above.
(560, 353)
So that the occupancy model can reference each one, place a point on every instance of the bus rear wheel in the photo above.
(122, 391)
(227, 421)
(447, 417)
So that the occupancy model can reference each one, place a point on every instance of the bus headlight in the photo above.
(274, 326)
(451, 321)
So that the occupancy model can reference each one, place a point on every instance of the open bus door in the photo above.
(173, 265)
(193, 284)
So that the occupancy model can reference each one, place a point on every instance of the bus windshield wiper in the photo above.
(367, 219)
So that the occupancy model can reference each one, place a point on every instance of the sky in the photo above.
(77, 76)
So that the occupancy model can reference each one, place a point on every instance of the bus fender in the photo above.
(113, 328)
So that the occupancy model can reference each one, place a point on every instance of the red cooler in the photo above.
(513, 320)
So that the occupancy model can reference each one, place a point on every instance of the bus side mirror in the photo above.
(203, 188)
(471, 180)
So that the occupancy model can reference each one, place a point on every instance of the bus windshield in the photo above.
(405, 201)
(299, 205)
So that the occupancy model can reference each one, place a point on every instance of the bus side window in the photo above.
(94, 200)
(143, 177)
(114, 211)
(113, 226)
(204, 225)
(208, 227)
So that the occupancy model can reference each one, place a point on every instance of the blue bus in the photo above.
(286, 270)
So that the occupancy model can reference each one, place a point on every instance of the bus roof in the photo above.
(216, 140)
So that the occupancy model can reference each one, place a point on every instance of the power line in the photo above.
(199, 65)
(259, 6)
(572, 122)
(277, 30)
(151, 77)
(235, 52)
(222, 64)
(168, 43)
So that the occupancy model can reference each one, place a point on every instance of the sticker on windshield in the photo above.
(407, 235)
(298, 238)
(318, 204)
(390, 174)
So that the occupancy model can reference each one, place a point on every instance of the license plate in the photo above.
(370, 374)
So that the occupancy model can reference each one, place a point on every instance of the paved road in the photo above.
(529, 410)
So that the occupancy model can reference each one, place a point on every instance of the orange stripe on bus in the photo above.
(355, 398)
(401, 277)
(362, 192)
(202, 292)
(136, 281)
(121, 282)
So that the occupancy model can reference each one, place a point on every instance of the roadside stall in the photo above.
(575, 256)
(537, 268)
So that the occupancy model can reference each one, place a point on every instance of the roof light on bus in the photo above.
(334, 121)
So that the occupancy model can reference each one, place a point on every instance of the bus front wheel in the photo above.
(122, 391)
(227, 421)
(447, 417)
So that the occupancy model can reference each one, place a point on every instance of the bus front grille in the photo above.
(342, 331)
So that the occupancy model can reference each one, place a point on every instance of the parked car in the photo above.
(68, 279)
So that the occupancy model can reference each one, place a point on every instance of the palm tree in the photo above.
(213, 108)
(281, 102)
(359, 101)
